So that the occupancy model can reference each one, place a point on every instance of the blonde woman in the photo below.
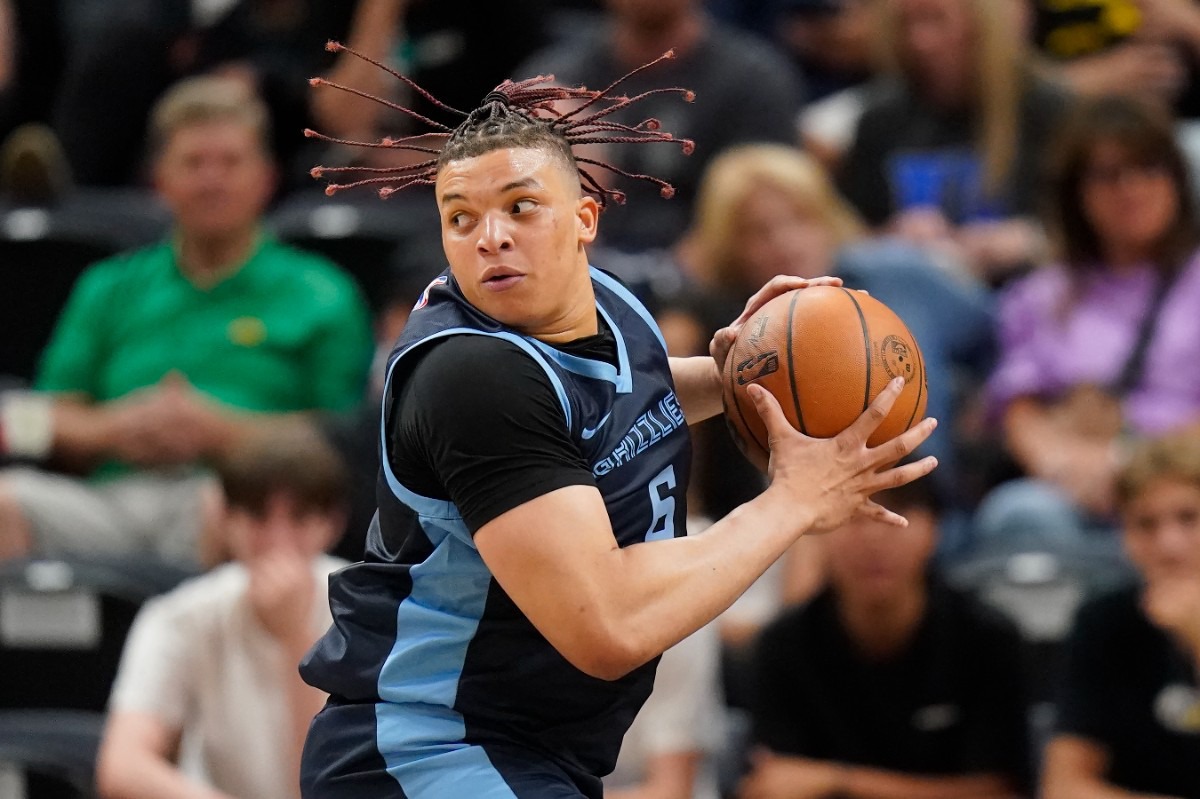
(766, 209)
(948, 150)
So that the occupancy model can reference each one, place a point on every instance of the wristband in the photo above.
(26, 423)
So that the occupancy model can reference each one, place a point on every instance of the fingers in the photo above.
(876, 512)
(780, 284)
(857, 433)
(901, 446)
(771, 414)
(901, 475)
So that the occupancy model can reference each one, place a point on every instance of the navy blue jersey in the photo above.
(428, 656)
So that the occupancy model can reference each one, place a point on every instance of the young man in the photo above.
(888, 684)
(1129, 713)
(523, 573)
(163, 356)
(207, 702)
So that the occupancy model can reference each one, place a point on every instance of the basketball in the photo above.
(824, 353)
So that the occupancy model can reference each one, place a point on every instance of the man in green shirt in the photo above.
(163, 357)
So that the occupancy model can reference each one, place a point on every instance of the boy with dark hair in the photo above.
(212, 664)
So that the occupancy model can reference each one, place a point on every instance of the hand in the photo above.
(775, 777)
(1169, 20)
(1131, 67)
(166, 424)
(722, 340)
(1174, 605)
(281, 593)
(996, 248)
(833, 479)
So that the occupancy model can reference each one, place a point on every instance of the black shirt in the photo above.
(1128, 688)
(447, 446)
(951, 703)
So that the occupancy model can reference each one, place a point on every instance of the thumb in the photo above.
(770, 412)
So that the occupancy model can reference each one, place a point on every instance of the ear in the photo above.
(588, 212)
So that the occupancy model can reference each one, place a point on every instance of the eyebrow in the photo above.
(523, 183)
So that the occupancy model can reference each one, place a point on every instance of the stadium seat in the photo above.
(63, 624)
(375, 241)
(48, 754)
(44, 250)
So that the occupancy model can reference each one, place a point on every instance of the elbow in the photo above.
(606, 654)
(109, 784)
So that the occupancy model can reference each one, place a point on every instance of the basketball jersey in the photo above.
(421, 629)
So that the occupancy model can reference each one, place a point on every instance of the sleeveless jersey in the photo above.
(425, 635)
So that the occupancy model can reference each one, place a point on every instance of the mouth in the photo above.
(501, 278)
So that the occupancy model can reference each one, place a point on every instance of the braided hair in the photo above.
(516, 114)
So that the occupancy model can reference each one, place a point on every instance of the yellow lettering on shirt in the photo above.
(247, 331)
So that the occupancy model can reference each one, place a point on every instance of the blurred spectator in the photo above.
(668, 751)
(457, 57)
(949, 153)
(745, 91)
(1100, 347)
(142, 47)
(888, 683)
(832, 42)
(765, 210)
(208, 701)
(1143, 48)
(163, 357)
(1129, 714)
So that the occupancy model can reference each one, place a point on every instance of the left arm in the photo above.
(698, 379)
(669, 775)
(786, 777)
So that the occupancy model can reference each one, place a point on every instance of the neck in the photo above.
(579, 318)
(882, 629)
(638, 44)
(206, 261)
(1124, 257)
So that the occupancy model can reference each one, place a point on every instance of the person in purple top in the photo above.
(1102, 347)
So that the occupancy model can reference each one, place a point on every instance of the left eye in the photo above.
(521, 206)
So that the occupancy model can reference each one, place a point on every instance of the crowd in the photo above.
(1013, 177)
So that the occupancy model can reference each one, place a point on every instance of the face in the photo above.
(282, 527)
(651, 14)
(936, 42)
(1161, 530)
(776, 238)
(875, 563)
(837, 40)
(514, 226)
(215, 178)
(1129, 205)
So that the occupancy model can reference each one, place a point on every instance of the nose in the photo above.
(495, 235)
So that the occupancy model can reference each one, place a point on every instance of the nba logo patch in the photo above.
(440, 280)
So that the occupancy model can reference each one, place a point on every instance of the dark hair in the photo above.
(1146, 133)
(284, 458)
(514, 114)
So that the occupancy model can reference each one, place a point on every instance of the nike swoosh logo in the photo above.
(588, 432)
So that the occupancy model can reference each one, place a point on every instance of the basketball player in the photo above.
(523, 573)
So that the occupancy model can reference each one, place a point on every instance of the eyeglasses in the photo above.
(1115, 174)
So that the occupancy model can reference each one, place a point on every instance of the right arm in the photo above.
(608, 609)
(134, 761)
(373, 32)
(1075, 769)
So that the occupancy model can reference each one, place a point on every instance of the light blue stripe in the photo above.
(440, 508)
(620, 375)
(418, 732)
(633, 302)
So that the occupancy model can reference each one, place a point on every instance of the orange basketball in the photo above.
(825, 353)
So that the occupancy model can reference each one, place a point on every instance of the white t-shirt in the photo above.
(683, 714)
(198, 659)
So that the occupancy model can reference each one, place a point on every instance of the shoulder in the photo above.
(469, 359)
(132, 267)
(747, 51)
(321, 279)
(1111, 616)
(199, 599)
(987, 628)
(1039, 290)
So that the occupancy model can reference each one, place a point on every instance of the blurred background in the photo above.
(188, 324)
